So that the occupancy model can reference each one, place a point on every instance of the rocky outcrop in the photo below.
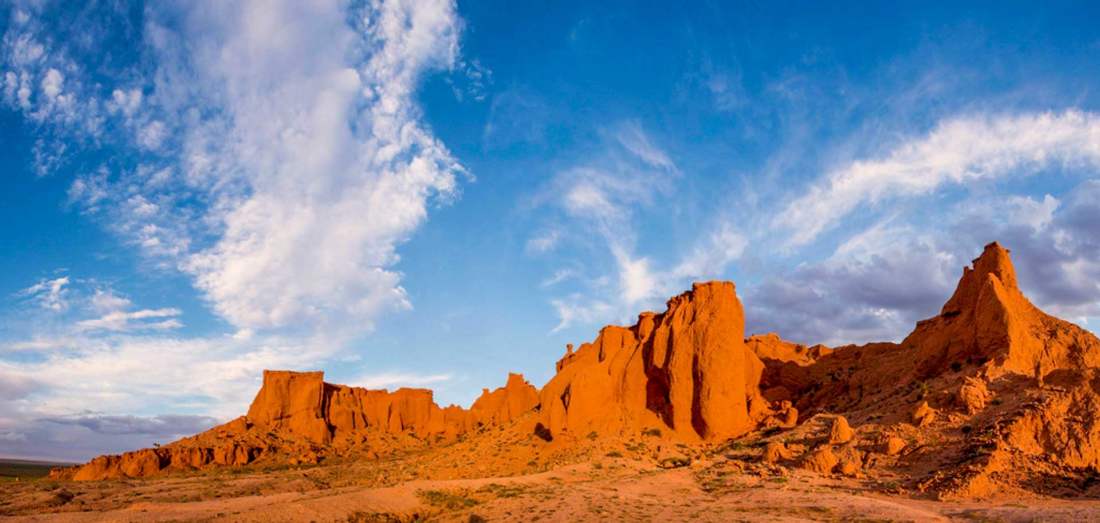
(1008, 393)
(989, 395)
(298, 418)
(988, 319)
(504, 404)
(685, 372)
(293, 402)
(771, 347)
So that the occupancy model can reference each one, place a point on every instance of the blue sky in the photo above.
(434, 194)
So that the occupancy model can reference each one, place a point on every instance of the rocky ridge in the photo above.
(299, 418)
(989, 397)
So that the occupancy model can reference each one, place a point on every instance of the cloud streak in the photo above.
(957, 151)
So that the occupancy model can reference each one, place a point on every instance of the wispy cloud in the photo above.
(631, 136)
(49, 294)
(169, 426)
(958, 150)
(118, 320)
(543, 242)
(389, 380)
(602, 201)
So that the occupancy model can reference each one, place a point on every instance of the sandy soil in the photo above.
(610, 489)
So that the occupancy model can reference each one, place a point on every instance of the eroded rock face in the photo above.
(299, 417)
(1003, 388)
(506, 403)
(292, 402)
(993, 392)
(771, 347)
(685, 371)
(988, 319)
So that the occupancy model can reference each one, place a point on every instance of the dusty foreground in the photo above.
(712, 488)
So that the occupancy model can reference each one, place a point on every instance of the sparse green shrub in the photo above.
(448, 500)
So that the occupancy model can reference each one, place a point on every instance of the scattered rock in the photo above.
(840, 432)
(893, 446)
(973, 395)
(923, 415)
(849, 467)
(776, 451)
(822, 460)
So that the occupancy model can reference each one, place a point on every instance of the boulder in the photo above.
(972, 395)
(893, 446)
(840, 432)
(822, 460)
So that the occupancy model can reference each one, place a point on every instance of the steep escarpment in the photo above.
(299, 418)
(685, 372)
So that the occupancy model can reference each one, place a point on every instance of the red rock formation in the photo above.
(292, 402)
(989, 319)
(297, 416)
(504, 404)
(1007, 393)
(685, 371)
(771, 347)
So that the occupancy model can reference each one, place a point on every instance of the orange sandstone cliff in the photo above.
(990, 397)
(685, 371)
(297, 417)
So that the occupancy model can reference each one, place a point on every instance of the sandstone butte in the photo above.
(983, 398)
(298, 417)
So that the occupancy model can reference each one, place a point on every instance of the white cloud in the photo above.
(139, 374)
(280, 162)
(881, 280)
(579, 309)
(152, 135)
(957, 151)
(1035, 214)
(724, 245)
(130, 321)
(874, 287)
(109, 356)
(390, 380)
(600, 200)
(631, 136)
(544, 241)
(339, 170)
(49, 294)
(125, 101)
(637, 282)
(51, 84)
(559, 276)
(302, 160)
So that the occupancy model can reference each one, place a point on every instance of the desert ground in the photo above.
(721, 485)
